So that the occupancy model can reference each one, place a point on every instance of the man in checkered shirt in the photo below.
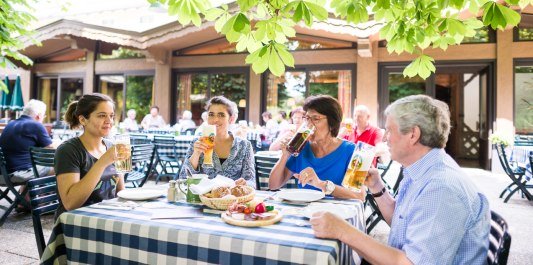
(439, 216)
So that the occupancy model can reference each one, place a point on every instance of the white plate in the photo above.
(300, 195)
(140, 194)
(344, 211)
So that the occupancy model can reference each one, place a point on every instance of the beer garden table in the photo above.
(110, 236)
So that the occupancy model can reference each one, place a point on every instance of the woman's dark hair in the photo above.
(329, 107)
(221, 100)
(283, 114)
(84, 107)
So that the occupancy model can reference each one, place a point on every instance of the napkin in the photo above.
(115, 205)
(178, 213)
(206, 184)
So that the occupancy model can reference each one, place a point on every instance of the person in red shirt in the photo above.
(362, 131)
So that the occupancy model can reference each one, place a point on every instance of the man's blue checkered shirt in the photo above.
(440, 216)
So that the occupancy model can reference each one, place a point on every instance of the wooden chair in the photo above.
(10, 189)
(43, 200)
(499, 240)
(516, 175)
(263, 167)
(142, 158)
(167, 157)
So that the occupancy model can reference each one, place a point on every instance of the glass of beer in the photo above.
(208, 137)
(360, 163)
(348, 123)
(123, 153)
(297, 143)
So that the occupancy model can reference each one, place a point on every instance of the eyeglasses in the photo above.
(314, 118)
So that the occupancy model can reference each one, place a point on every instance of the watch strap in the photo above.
(379, 193)
(330, 187)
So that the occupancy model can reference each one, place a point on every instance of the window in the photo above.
(57, 93)
(300, 42)
(523, 98)
(290, 90)
(483, 35)
(524, 31)
(121, 53)
(137, 96)
(194, 89)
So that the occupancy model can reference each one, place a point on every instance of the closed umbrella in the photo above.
(17, 102)
(6, 97)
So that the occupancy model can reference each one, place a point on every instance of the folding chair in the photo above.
(499, 240)
(10, 189)
(376, 216)
(167, 157)
(43, 200)
(263, 167)
(139, 139)
(515, 174)
(142, 158)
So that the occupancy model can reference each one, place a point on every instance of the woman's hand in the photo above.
(199, 147)
(328, 225)
(285, 139)
(109, 156)
(308, 176)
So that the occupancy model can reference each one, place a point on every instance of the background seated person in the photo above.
(130, 123)
(296, 116)
(232, 157)
(19, 136)
(186, 122)
(84, 164)
(439, 215)
(153, 120)
(362, 131)
(324, 159)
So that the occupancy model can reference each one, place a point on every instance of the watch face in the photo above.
(330, 187)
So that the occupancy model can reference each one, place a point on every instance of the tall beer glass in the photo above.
(360, 163)
(208, 137)
(122, 153)
(297, 143)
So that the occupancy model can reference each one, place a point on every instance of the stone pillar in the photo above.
(367, 80)
(504, 81)
(88, 82)
(161, 93)
(254, 99)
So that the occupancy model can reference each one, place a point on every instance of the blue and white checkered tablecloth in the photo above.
(103, 236)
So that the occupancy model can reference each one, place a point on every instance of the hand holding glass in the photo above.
(360, 163)
(123, 153)
(208, 138)
(297, 143)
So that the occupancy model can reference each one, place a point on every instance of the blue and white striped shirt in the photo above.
(440, 217)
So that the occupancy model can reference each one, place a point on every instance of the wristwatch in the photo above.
(330, 187)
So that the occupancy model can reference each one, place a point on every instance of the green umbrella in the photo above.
(6, 97)
(17, 102)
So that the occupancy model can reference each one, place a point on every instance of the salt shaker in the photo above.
(171, 194)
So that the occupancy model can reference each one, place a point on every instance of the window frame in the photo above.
(518, 62)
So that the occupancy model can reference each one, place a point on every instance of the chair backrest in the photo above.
(43, 200)
(499, 240)
(165, 145)
(42, 157)
(3, 167)
(191, 131)
(142, 158)
(139, 139)
(263, 167)
(502, 156)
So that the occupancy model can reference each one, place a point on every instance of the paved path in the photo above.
(17, 242)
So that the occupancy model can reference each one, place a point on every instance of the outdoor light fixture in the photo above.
(242, 103)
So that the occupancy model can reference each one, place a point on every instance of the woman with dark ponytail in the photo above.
(84, 164)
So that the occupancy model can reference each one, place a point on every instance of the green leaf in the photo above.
(245, 5)
(285, 55)
(275, 65)
(422, 66)
(319, 12)
(213, 13)
(241, 22)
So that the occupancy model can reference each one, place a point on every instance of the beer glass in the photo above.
(208, 137)
(297, 143)
(360, 163)
(123, 153)
(348, 123)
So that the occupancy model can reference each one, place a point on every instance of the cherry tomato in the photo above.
(260, 208)
(247, 211)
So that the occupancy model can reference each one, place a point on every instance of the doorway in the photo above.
(466, 88)
(57, 93)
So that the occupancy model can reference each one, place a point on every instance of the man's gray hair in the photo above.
(431, 116)
(33, 108)
(362, 108)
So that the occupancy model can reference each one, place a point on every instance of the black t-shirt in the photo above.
(72, 157)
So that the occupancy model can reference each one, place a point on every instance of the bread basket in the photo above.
(224, 203)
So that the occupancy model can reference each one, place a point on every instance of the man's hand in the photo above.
(328, 225)
(373, 180)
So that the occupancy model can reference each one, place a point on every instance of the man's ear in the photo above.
(415, 135)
